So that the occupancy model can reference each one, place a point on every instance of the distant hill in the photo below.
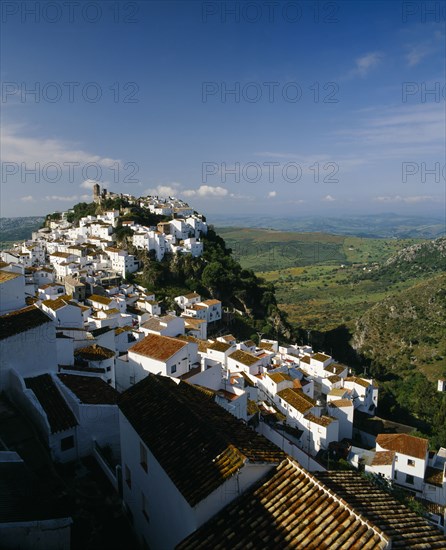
(426, 257)
(406, 331)
(18, 229)
(374, 226)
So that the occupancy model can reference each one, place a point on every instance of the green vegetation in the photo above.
(81, 210)
(18, 229)
(217, 274)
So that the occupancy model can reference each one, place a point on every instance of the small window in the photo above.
(128, 476)
(108, 369)
(173, 369)
(395, 475)
(409, 479)
(143, 456)
(67, 443)
(410, 462)
(144, 506)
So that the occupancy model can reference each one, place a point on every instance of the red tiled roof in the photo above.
(288, 509)
(90, 390)
(403, 443)
(383, 458)
(60, 416)
(158, 347)
(403, 527)
(198, 444)
(21, 320)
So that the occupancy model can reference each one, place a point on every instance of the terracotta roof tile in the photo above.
(288, 509)
(297, 399)
(404, 444)
(244, 357)
(198, 444)
(158, 347)
(60, 416)
(21, 320)
(90, 390)
(383, 458)
(94, 353)
(404, 528)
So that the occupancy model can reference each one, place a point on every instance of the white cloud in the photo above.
(164, 190)
(88, 184)
(414, 199)
(17, 147)
(61, 198)
(366, 62)
(328, 198)
(28, 198)
(272, 194)
(206, 191)
(417, 53)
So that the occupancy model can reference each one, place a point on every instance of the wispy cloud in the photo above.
(206, 191)
(272, 194)
(28, 198)
(365, 64)
(414, 199)
(164, 190)
(62, 198)
(328, 198)
(18, 146)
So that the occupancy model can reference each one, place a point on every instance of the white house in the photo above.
(12, 291)
(183, 458)
(27, 344)
(164, 355)
(411, 458)
(365, 394)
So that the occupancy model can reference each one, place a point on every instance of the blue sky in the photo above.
(238, 107)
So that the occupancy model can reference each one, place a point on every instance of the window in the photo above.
(395, 475)
(143, 456)
(108, 369)
(67, 443)
(144, 506)
(173, 369)
(409, 479)
(128, 476)
(410, 462)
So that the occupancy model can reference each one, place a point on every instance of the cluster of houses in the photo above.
(184, 426)
(88, 250)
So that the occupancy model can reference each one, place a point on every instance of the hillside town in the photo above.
(183, 416)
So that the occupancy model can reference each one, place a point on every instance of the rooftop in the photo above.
(403, 443)
(357, 380)
(90, 390)
(94, 353)
(21, 320)
(60, 416)
(219, 346)
(320, 357)
(244, 357)
(158, 347)
(100, 299)
(8, 276)
(278, 377)
(288, 508)
(197, 442)
(25, 498)
(405, 528)
(297, 399)
(383, 458)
